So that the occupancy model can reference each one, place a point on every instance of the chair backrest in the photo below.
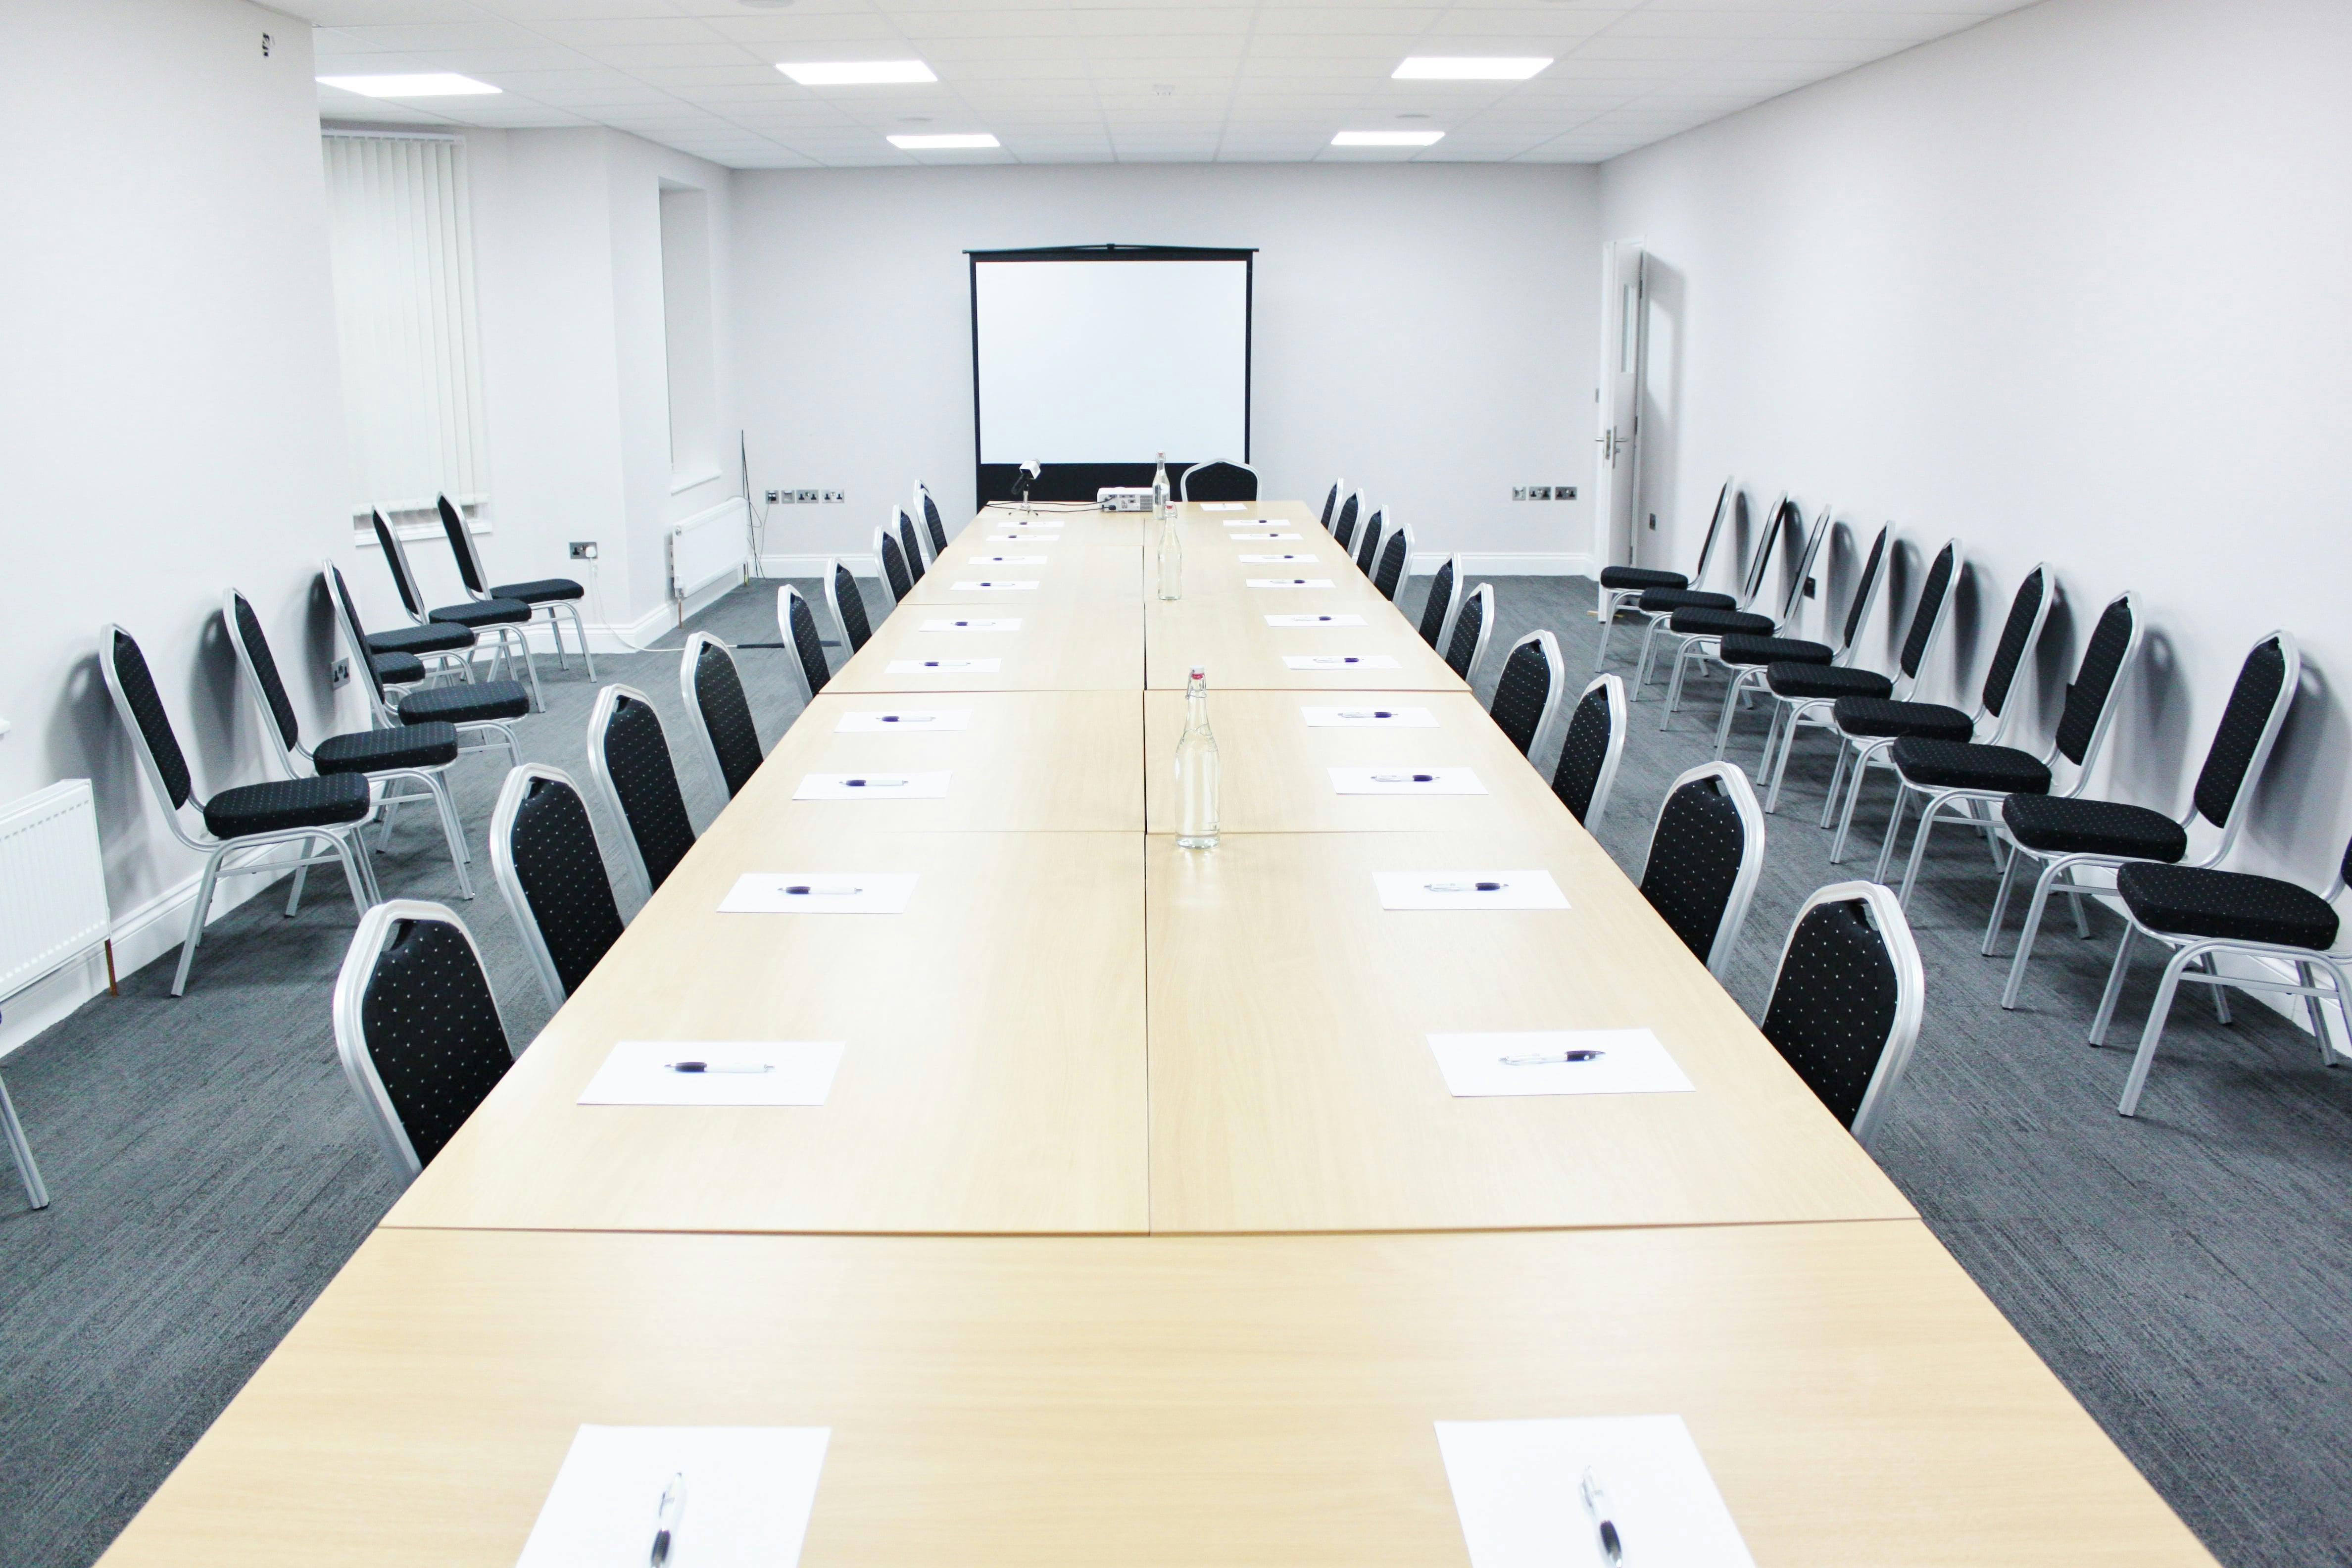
(892, 556)
(1474, 623)
(262, 681)
(2090, 707)
(1726, 499)
(629, 758)
(1331, 503)
(417, 1027)
(2249, 724)
(2029, 611)
(1395, 559)
(1865, 595)
(1847, 999)
(1928, 617)
(1368, 540)
(470, 570)
(1589, 752)
(1343, 526)
(1768, 545)
(1529, 690)
(547, 861)
(933, 524)
(847, 605)
(1220, 478)
(347, 613)
(798, 623)
(395, 561)
(1445, 598)
(722, 715)
(912, 545)
(1805, 560)
(140, 706)
(1706, 850)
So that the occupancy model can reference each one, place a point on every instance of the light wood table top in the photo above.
(1293, 1086)
(1065, 644)
(1227, 633)
(1070, 570)
(994, 1078)
(1243, 1399)
(1274, 768)
(1026, 762)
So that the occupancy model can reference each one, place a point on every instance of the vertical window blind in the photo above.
(402, 239)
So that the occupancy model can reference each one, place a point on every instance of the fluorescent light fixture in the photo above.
(435, 84)
(856, 73)
(944, 144)
(1469, 67)
(1387, 138)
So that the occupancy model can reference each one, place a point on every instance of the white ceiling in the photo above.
(1080, 81)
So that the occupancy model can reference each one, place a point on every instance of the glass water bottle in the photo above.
(1159, 489)
(1171, 559)
(1196, 770)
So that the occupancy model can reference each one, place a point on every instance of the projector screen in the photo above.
(1091, 359)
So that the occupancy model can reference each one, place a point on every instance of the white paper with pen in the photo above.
(1339, 661)
(903, 721)
(1008, 561)
(1225, 506)
(1297, 619)
(1023, 538)
(1405, 781)
(1557, 1061)
(1518, 1489)
(820, 893)
(997, 585)
(973, 623)
(733, 1072)
(1530, 889)
(1279, 560)
(749, 1491)
(1287, 582)
(1368, 718)
(881, 786)
(943, 666)
(1261, 537)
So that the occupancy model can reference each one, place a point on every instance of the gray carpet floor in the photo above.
(2188, 1274)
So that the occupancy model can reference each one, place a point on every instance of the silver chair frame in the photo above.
(690, 659)
(1615, 600)
(1403, 530)
(1555, 687)
(910, 540)
(883, 571)
(833, 604)
(510, 635)
(786, 597)
(1452, 604)
(502, 866)
(1363, 510)
(1184, 484)
(1371, 533)
(1613, 754)
(1751, 583)
(935, 543)
(1707, 646)
(557, 610)
(1868, 750)
(1734, 784)
(489, 732)
(1485, 593)
(1751, 676)
(1910, 989)
(600, 721)
(1331, 504)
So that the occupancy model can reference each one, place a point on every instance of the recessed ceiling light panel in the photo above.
(943, 143)
(438, 84)
(1469, 67)
(1387, 138)
(856, 73)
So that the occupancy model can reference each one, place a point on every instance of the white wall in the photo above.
(2069, 285)
(171, 415)
(1427, 331)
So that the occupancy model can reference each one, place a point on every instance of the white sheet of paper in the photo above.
(881, 784)
(1406, 780)
(1296, 620)
(1631, 1061)
(1339, 661)
(826, 893)
(1023, 538)
(749, 1492)
(997, 585)
(1008, 561)
(943, 666)
(903, 721)
(638, 1072)
(1252, 521)
(1524, 889)
(1225, 506)
(1368, 718)
(1293, 560)
(1518, 1490)
(1257, 536)
(973, 624)
(1287, 582)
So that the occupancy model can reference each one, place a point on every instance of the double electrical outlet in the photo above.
(1543, 492)
(806, 498)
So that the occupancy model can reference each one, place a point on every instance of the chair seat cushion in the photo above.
(397, 668)
(2058, 825)
(1880, 716)
(1705, 622)
(1746, 647)
(1820, 681)
(482, 613)
(444, 638)
(1956, 764)
(426, 745)
(2192, 900)
(543, 591)
(325, 802)
(1666, 601)
(465, 704)
(1640, 577)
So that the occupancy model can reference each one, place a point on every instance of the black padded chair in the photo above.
(1343, 522)
(241, 824)
(1752, 658)
(1589, 752)
(1529, 690)
(1474, 623)
(1698, 633)
(1445, 598)
(847, 605)
(1331, 503)
(1706, 850)
(1972, 782)
(485, 710)
(1621, 587)
(1847, 1000)
(2063, 833)
(417, 1027)
(722, 715)
(912, 544)
(548, 863)
(890, 557)
(557, 598)
(1367, 547)
(935, 527)
(1220, 478)
(797, 622)
(1395, 559)
(629, 757)
(501, 620)
(418, 754)
(1662, 604)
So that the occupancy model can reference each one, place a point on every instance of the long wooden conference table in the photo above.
(1138, 1225)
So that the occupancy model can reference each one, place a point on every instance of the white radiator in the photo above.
(52, 883)
(708, 546)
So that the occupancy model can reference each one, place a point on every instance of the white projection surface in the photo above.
(1111, 361)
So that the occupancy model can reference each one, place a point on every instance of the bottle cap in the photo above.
(1200, 672)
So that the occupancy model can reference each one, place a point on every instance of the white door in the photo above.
(1624, 337)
